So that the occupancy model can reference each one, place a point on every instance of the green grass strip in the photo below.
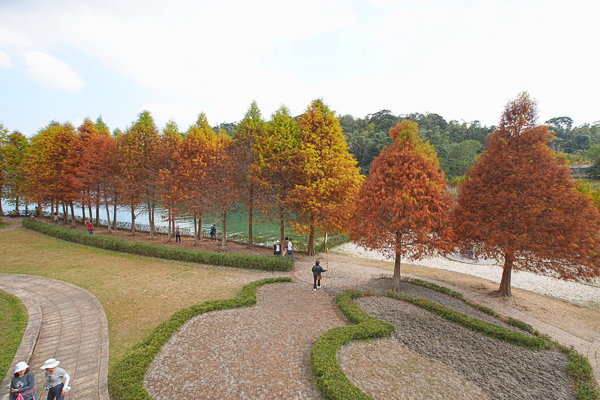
(331, 380)
(581, 374)
(13, 315)
(126, 381)
(473, 324)
(106, 242)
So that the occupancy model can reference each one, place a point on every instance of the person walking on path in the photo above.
(285, 241)
(317, 270)
(277, 248)
(213, 233)
(57, 380)
(177, 235)
(23, 383)
(90, 227)
(290, 248)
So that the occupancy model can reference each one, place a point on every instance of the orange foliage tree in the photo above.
(327, 179)
(402, 208)
(519, 204)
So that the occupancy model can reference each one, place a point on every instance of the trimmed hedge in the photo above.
(508, 320)
(473, 324)
(126, 381)
(331, 380)
(249, 261)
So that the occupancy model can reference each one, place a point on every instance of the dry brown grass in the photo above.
(137, 293)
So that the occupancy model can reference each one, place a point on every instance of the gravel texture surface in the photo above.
(261, 352)
(579, 293)
(501, 370)
(385, 369)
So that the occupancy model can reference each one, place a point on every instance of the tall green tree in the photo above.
(327, 179)
(250, 130)
(274, 165)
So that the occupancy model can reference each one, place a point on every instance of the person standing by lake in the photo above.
(90, 227)
(57, 380)
(213, 232)
(55, 219)
(177, 235)
(290, 248)
(22, 383)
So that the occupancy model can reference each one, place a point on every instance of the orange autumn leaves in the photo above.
(517, 203)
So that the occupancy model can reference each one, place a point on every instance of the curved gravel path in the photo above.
(261, 352)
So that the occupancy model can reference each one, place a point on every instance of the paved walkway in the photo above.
(67, 323)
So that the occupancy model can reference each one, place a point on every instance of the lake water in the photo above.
(264, 233)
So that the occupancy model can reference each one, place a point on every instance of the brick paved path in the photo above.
(67, 323)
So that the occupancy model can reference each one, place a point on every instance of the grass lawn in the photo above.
(137, 293)
(13, 317)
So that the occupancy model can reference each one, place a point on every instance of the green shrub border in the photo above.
(126, 381)
(508, 320)
(331, 380)
(473, 324)
(250, 261)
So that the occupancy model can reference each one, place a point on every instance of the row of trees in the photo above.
(285, 169)
(517, 203)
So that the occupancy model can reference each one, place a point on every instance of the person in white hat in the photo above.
(22, 383)
(57, 380)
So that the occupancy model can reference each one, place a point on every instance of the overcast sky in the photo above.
(464, 59)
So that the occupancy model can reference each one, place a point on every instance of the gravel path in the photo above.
(501, 370)
(261, 352)
(575, 292)
(402, 373)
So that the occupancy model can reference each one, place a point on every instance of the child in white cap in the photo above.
(22, 383)
(57, 380)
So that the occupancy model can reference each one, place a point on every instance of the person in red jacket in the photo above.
(90, 227)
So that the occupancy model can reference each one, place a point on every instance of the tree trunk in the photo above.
(107, 214)
(281, 225)
(311, 238)
(397, 272)
(65, 214)
(90, 204)
(200, 218)
(97, 210)
(115, 214)
(132, 219)
(224, 230)
(195, 229)
(506, 277)
(169, 228)
(397, 263)
(150, 220)
(1, 211)
(250, 217)
(72, 216)
(83, 212)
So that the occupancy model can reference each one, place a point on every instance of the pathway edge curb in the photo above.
(29, 340)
